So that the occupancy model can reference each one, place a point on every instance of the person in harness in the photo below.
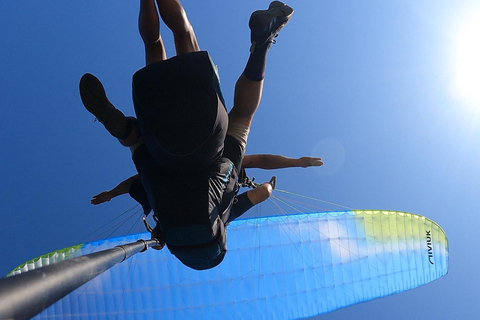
(241, 204)
(187, 150)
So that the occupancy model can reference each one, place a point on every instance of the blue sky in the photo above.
(382, 90)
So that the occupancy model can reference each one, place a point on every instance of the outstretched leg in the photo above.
(175, 17)
(149, 29)
(264, 25)
(96, 102)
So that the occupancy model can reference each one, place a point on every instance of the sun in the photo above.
(467, 60)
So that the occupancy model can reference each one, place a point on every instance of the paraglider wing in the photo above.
(290, 266)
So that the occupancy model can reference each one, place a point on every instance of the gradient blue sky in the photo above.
(384, 91)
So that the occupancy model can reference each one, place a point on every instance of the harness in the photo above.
(192, 227)
(246, 182)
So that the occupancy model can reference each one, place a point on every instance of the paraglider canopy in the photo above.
(292, 266)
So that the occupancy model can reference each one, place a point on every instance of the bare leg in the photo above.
(175, 18)
(149, 28)
(260, 193)
(264, 26)
(247, 97)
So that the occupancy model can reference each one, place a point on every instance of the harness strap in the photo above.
(147, 225)
(245, 181)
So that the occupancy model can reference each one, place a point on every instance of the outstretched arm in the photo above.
(122, 188)
(271, 161)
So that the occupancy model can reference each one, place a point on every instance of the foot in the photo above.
(265, 24)
(96, 102)
(273, 182)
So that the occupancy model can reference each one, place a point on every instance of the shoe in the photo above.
(273, 182)
(265, 24)
(96, 102)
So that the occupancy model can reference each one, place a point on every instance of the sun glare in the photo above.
(467, 60)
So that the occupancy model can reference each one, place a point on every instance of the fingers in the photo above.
(316, 162)
(311, 162)
(100, 198)
(96, 201)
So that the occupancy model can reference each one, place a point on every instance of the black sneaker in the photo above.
(96, 102)
(265, 24)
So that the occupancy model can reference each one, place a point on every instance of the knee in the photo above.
(260, 193)
(265, 191)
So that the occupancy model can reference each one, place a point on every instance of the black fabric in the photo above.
(233, 151)
(255, 68)
(130, 123)
(206, 255)
(241, 204)
(180, 203)
(221, 187)
(180, 109)
(178, 198)
(242, 176)
(188, 166)
(137, 192)
(192, 232)
(223, 179)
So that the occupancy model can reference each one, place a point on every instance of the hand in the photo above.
(310, 162)
(101, 198)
